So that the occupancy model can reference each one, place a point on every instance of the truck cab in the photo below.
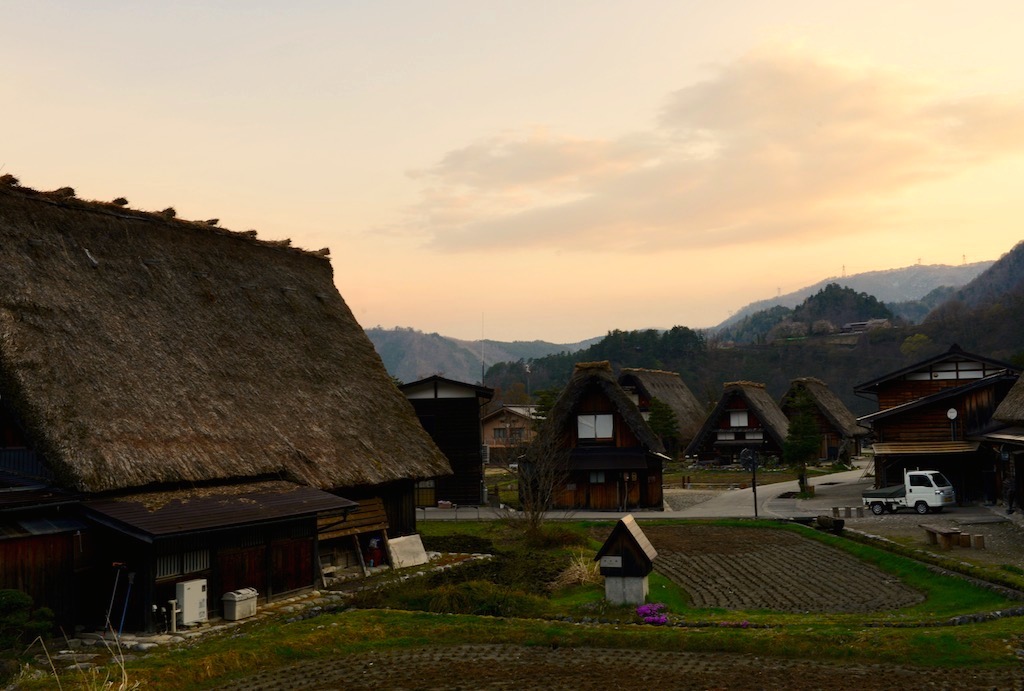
(922, 490)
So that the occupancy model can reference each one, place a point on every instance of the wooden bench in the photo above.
(944, 537)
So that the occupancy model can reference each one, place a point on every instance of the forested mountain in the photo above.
(984, 316)
(893, 286)
(410, 355)
(989, 327)
(825, 312)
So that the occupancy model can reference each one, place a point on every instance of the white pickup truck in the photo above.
(923, 490)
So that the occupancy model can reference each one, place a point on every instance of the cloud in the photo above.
(778, 146)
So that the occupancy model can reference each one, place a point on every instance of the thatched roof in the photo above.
(834, 410)
(757, 400)
(138, 349)
(1012, 407)
(670, 389)
(585, 377)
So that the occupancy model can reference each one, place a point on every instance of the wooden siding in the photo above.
(43, 566)
(580, 493)
(454, 425)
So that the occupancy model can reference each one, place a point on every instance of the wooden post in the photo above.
(359, 553)
(847, 512)
(860, 512)
(835, 512)
(979, 541)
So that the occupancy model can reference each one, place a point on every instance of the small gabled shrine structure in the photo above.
(625, 560)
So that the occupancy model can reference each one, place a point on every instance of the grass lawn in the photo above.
(576, 615)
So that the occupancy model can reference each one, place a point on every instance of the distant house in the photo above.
(934, 414)
(1006, 438)
(507, 430)
(615, 461)
(648, 386)
(746, 417)
(180, 402)
(450, 412)
(836, 423)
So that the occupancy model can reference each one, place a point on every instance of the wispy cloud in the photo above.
(777, 146)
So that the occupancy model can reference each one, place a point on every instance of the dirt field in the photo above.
(720, 567)
(750, 568)
(517, 667)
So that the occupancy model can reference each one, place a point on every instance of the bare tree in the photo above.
(543, 473)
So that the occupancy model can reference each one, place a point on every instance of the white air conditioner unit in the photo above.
(191, 601)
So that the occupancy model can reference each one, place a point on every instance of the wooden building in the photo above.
(507, 431)
(615, 461)
(1006, 438)
(745, 417)
(647, 387)
(934, 414)
(837, 425)
(450, 412)
(184, 402)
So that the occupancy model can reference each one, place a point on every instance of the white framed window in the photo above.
(594, 426)
(738, 418)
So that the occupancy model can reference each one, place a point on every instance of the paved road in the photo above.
(837, 489)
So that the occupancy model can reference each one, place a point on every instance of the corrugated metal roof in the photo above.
(154, 515)
(925, 447)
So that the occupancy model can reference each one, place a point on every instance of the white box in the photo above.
(191, 597)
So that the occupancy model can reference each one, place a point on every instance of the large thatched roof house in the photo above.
(140, 353)
(669, 388)
(746, 416)
(838, 426)
(615, 460)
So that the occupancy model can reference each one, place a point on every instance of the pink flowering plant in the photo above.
(655, 613)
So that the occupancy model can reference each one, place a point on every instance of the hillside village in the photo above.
(185, 407)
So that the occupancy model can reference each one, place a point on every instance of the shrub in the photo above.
(20, 622)
(468, 544)
(554, 536)
(486, 599)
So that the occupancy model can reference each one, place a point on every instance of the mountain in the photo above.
(410, 355)
(908, 284)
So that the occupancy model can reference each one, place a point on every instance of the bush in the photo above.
(555, 536)
(485, 599)
(20, 622)
(462, 543)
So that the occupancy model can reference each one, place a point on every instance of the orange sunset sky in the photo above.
(539, 170)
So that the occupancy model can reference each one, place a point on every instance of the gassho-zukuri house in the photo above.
(181, 403)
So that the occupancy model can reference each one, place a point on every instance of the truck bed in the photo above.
(891, 492)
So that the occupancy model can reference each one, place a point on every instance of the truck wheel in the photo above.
(878, 508)
(921, 508)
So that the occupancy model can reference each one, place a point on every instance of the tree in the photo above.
(803, 443)
(664, 423)
(543, 471)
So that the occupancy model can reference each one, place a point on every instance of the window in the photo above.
(597, 477)
(515, 434)
(594, 426)
(500, 434)
(920, 481)
(738, 418)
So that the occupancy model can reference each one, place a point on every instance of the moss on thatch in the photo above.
(194, 366)
(834, 410)
(669, 388)
(585, 377)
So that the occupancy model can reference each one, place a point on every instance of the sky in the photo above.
(525, 170)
